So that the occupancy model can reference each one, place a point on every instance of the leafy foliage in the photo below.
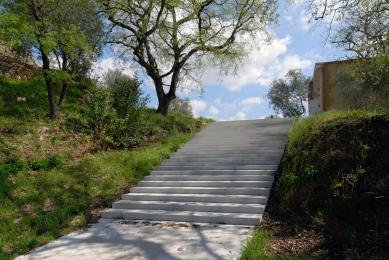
(174, 41)
(287, 95)
(45, 27)
(364, 84)
(361, 31)
(335, 163)
(117, 111)
(182, 106)
(55, 176)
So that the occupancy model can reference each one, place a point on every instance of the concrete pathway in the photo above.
(121, 239)
(223, 175)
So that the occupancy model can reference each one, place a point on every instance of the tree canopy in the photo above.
(51, 27)
(182, 106)
(287, 95)
(360, 28)
(174, 41)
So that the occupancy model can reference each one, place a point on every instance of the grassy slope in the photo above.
(333, 185)
(56, 176)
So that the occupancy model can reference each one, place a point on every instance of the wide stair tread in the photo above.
(209, 198)
(224, 174)
(197, 183)
(190, 206)
(156, 177)
(213, 172)
(203, 190)
(185, 216)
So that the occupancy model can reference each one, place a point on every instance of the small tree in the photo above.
(75, 55)
(111, 76)
(41, 26)
(287, 95)
(359, 28)
(117, 111)
(182, 106)
(359, 86)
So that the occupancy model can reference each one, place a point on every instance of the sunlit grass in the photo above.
(53, 174)
(258, 246)
(40, 206)
(308, 124)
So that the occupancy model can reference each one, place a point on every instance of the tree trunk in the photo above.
(163, 99)
(63, 94)
(65, 84)
(54, 114)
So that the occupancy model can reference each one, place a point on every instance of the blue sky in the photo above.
(295, 45)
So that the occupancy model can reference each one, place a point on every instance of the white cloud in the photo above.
(249, 103)
(227, 106)
(291, 62)
(198, 106)
(304, 20)
(252, 101)
(213, 110)
(262, 68)
(105, 64)
(238, 116)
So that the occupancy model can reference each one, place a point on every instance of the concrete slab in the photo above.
(121, 239)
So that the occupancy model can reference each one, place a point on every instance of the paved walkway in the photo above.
(121, 239)
(223, 175)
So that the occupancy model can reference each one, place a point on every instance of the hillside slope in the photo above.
(56, 176)
(331, 196)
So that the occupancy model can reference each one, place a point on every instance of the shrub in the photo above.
(117, 112)
(182, 106)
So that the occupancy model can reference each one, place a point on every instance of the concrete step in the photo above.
(212, 163)
(213, 172)
(203, 190)
(207, 198)
(252, 140)
(234, 153)
(217, 167)
(213, 143)
(224, 159)
(185, 216)
(190, 206)
(195, 183)
(222, 175)
(248, 149)
(226, 137)
(210, 178)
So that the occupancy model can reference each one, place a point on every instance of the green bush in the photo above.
(117, 112)
(127, 97)
(101, 111)
(38, 164)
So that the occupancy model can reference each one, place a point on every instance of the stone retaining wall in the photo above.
(15, 69)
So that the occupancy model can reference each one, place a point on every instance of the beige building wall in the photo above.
(323, 96)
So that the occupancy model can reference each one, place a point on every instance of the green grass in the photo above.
(333, 179)
(335, 166)
(37, 207)
(258, 246)
(311, 123)
(55, 175)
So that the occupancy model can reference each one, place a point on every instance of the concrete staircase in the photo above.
(222, 175)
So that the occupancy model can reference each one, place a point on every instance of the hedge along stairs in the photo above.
(222, 175)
